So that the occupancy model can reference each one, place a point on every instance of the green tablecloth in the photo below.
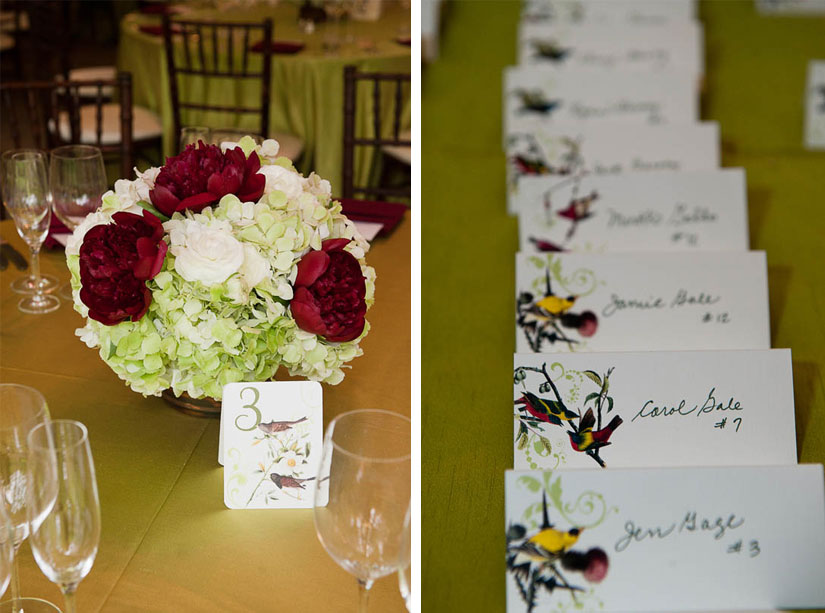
(754, 88)
(307, 87)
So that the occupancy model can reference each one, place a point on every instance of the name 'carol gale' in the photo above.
(651, 409)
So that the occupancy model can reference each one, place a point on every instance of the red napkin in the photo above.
(55, 227)
(158, 30)
(279, 46)
(389, 214)
(159, 8)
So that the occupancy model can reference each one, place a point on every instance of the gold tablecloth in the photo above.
(168, 543)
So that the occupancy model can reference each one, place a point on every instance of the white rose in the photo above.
(146, 181)
(129, 194)
(255, 268)
(209, 254)
(269, 148)
(277, 177)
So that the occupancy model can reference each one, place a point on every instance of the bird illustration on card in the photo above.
(540, 416)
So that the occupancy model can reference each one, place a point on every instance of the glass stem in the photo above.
(70, 605)
(363, 595)
(38, 287)
(14, 585)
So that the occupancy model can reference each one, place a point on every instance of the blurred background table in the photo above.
(168, 543)
(755, 81)
(307, 86)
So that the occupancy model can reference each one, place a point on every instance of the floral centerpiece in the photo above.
(221, 266)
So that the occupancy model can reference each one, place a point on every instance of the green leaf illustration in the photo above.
(609, 404)
(592, 396)
(531, 483)
(593, 377)
(543, 444)
(522, 441)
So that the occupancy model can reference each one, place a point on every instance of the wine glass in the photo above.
(65, 533)
(22, 285)
(405, 569)
(190, 135)
(362, 493)
(23, 408)
(78, 181)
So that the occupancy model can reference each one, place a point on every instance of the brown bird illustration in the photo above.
(283, 481)
(279, 426)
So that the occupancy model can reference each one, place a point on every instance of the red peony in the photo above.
(329, 293)
(116, 260)
(201, 175)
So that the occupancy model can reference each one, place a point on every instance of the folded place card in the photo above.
(790, 7)
(535, 97)
(815, 106)
(641, 302)
(638, 12)
(568, 151)
(653, 409)
(271, 440)
(656, 211)
(675, 46)
(665, 539)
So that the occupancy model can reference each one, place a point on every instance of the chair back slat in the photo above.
(220, 63)
(352, 78)
(52, 104)
(245, 69)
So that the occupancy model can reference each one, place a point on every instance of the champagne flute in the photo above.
(22, 285)
(23, 408)
(405, 569)
(6, 549)
(65, 533)
(362, 493)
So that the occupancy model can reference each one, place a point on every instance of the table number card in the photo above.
(657, 539)
(659, 211)
(676, 46)
(815, 106)
(636, 12)
(568, 151)
(271, 437)
(536, 96)
(574, 302)
(653, 409)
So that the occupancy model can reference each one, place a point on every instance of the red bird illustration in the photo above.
(548, 411)
(579, 208)
(279, 426)
(283, 481)
(586, 439)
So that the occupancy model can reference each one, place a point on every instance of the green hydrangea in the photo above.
(195, 338)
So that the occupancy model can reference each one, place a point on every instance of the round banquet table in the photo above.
(307, 90)
(168, 543)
